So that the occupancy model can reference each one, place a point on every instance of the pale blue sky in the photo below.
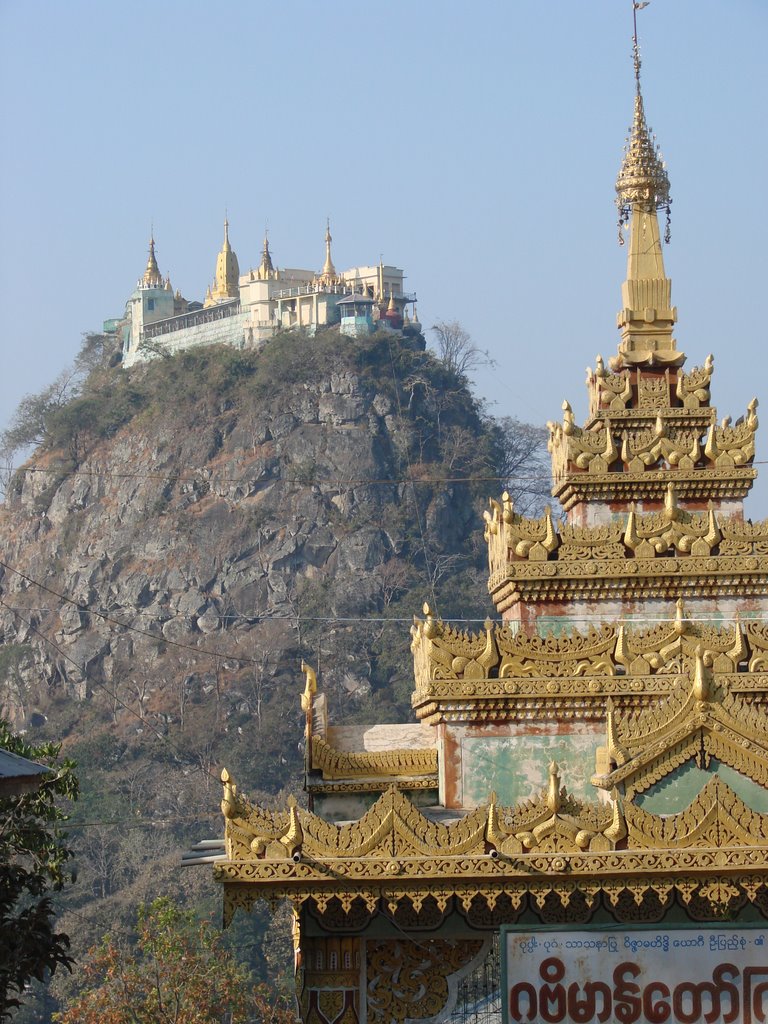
(474, 145)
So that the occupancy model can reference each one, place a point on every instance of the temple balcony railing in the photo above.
(193, 319)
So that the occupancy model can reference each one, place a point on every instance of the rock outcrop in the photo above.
(244, 511)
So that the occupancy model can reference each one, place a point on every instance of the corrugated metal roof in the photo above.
(19, 774)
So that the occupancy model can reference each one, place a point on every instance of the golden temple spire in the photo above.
(152, 277)
(642, 189)
(329, 271)
(227, 281)
(643, 176)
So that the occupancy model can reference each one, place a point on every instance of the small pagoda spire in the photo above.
(329, 271)
(642, 189)
(266, 269)
(152, 277)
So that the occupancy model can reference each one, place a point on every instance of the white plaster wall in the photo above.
(229, 331)
(406, 736)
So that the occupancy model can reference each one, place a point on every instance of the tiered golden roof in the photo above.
(633, 647)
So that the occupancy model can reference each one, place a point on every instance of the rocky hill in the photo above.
(185, 533)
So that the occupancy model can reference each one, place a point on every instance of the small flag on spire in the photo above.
(638, 6)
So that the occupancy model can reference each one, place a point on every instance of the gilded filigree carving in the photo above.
(648, 422)
(730, 446)
(554, 823)
(592, 450)
(611, 391)
(516, 535)
(716, 818)
(699, 720)
(409, 980)
(524, 666)
(703, 544)
(693, 389)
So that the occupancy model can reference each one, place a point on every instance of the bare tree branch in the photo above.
(456, 350)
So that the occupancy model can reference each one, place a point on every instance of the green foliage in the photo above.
(179, 972)
(33, 858)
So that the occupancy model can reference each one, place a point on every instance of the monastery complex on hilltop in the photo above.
(246, 309)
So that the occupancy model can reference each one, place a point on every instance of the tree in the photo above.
(456, 350)
(39, 417)
(524, 465)
(178, 973)
(33, 858)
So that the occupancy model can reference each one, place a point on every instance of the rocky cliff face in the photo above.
(189, 531)
(181, 542)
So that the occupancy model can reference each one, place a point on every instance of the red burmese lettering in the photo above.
(522, 990)
(552, 997)
(582, 1010)
(728, 989)
(659, 1011)
(627, 1003)
(755, 996)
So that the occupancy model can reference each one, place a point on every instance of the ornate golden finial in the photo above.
(701, 676)
(553, 788)
(671, 508)
(616, 753)
(229, 802)
(152, 277)
(617, 830)
(494, 833)
(643, 179)
(647, 315)
(293, 837)
(310, 688)
(680, 620)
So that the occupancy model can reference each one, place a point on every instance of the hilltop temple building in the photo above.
(583, 796)
(246, 309)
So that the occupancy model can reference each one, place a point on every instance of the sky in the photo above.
(474, 145)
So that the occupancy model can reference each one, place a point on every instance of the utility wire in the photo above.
(81, 606)
(185, 757)
(195, 477)
(257, 619)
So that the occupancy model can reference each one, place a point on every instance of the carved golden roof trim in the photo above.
(668, 578)
(372, 785)
(699, 720)
(629, 896)
(342, 764)
(519, 547)
(443, 654)
(691, 485)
